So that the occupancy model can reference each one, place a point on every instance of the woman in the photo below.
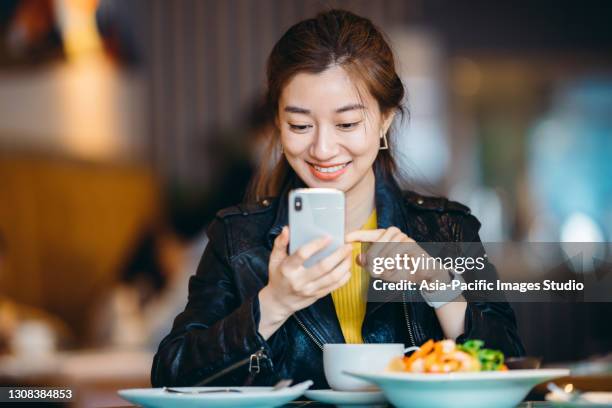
(255, 313)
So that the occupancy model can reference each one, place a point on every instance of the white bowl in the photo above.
(356, 357)
(499, 389)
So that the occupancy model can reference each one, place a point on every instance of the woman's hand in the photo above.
(392, 241)
(389, 243)
(292, 287)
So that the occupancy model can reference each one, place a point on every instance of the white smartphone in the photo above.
(314, 213)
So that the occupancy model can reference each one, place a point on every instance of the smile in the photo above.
(328, 173)
(330, 169)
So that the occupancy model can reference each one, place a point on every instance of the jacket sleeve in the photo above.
(492, 322)
(217, 329)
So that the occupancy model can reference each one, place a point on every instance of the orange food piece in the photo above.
(397, 364)
(421, 352)
(431, 363)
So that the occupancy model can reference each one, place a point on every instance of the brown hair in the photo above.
(334, 37)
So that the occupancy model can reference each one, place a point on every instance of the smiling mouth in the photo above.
(328, 173)
(330, 169)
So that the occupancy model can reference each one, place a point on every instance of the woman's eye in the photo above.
(348, 126)
(299, 128)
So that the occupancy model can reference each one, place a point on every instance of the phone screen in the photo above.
(315, 213)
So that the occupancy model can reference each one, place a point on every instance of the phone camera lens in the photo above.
(298, 203)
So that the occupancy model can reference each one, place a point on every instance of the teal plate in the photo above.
(499, 389)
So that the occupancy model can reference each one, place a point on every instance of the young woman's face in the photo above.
(330, 135)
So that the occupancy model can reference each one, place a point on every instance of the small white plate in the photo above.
(499, 389)
(254, 397)
(352, 399)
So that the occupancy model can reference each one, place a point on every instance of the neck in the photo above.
(360, 202)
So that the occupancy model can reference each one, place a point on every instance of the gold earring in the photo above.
(385, 144)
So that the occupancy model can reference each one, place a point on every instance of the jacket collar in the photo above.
(282, 211)
(390, 211)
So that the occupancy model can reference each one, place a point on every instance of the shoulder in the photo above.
(243, 226)
(421, 202)
(246, 209)
(453, 216)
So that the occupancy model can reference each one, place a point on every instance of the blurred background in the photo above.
(126, 124)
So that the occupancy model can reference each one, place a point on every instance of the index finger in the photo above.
(364, 235)
(279, 250)
(309, 249)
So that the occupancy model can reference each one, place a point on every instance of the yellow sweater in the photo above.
(350, 300)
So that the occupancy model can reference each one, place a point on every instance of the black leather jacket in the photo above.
(218, 328)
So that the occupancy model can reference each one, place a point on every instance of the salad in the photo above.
(446, 356)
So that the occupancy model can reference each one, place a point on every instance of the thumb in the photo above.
(279, 251)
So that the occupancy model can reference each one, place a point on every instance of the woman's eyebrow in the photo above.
(295, 109)
(350, 107)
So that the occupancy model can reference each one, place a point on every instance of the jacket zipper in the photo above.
(312, 337)
(408, 323)
(254, 367)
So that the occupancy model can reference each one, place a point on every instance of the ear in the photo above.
(388, 120)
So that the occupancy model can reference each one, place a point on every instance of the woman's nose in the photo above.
(324, 145)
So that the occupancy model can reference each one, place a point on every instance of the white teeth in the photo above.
(329, 169)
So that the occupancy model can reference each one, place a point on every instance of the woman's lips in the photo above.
(328, 172)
